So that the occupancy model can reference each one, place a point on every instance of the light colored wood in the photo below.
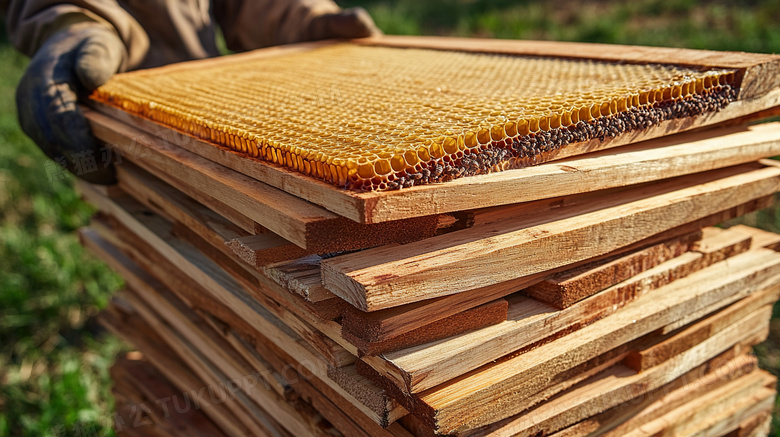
(311, 366)
(333, 406)
(302, 223)
(263, 249)
(684, 407)
(277, 330)
(129, 174)
(134, 216)
(301, 276)
(760, 237)
(620, 384)
(529, 321)
(648, 407)
(142, 385)
(143, 226)
(568, 287)
(688, 337)
(233, 415)
(715, 413)
(459, 261)
(470, 320)
(758, 92)
(757, 426)
(217, 230)
(210, 345)
(469, 402)
(199, 346)
(385, 324)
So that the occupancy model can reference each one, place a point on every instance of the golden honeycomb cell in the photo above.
(373, 118)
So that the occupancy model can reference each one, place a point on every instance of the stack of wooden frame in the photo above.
(591, 295)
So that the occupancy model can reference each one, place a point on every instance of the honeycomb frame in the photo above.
(393, 118)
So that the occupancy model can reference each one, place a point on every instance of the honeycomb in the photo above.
(375, 118)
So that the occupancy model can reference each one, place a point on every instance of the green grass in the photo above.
(53, 358)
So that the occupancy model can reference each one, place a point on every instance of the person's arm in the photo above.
(251, 24)
(30, 23)
(74, 47)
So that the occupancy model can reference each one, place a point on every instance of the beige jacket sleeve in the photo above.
(31, 22)
(251, 24)
(158, 32)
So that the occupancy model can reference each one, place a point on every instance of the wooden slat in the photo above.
(245, 309)
(758, 91)
(219, 231)
(509, 249)
(688, 337)
(141, 228)
(302, 223)
(211, 345)
(770, 240)
(661, 410)
(193, 349)
(384, 324)
(233, 414)
(566, 288)
(469, 401)
(619, 385)
(717, 413)
(301, 276)
(143, 385)
(530, 322)
(471, 320)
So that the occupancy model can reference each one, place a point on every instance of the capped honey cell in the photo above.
(375, 118)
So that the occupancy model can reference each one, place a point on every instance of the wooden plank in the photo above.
(632, 415)
(249, 345)
(758, 425)
(385, 324)
(211, 345)
(261, 250)
(200, 233)
(144, 229)
(619, 385)
(219, 231)
(246, 312)
(300, 276)
(306, 369)
(231, 414)
(716, 413)
(470, 320)
(756, 72)
(509, 249)
(565, 288)
(530, 322)
(641, 360)
(469, 401)
(762, 238)
(300, 222)
(194, 347)
(145, 388)
(129, 174)
(661, 411)
(320, 316)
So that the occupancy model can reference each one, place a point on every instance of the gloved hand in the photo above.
(72, 62)
(348, 23)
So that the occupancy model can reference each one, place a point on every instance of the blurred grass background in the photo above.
(54, 359)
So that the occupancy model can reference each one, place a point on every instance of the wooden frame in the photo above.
(759, 91)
